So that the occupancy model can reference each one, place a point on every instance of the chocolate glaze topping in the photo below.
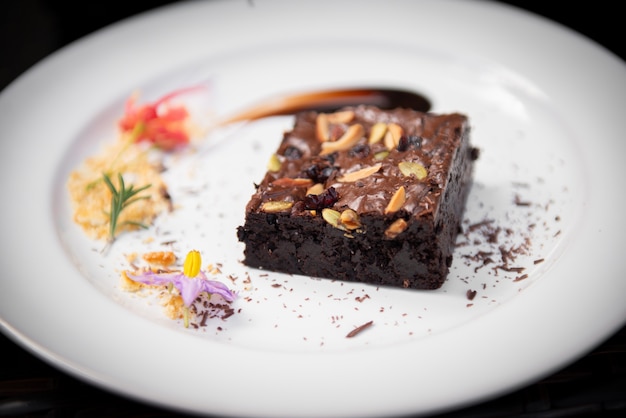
(427, 140)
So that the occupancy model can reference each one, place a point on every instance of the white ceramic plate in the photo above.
(545, 106)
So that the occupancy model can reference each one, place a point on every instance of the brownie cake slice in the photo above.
(363, 194)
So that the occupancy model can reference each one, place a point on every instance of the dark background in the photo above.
(32, 29)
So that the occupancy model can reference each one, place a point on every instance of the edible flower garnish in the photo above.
(191, 282)
(157, 122)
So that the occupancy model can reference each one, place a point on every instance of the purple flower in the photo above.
(191, 282)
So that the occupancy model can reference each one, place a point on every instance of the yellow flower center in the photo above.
(191, 268)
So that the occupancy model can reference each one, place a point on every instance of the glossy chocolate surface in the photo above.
(432, 142)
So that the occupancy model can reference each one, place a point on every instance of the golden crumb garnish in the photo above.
(160, 258)
(213, 269)
(130, 285)
(173, 305)
(91, 198)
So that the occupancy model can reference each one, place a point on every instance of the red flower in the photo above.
(158, 123)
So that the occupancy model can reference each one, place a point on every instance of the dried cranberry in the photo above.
(326, 173)
(312, 172)
(409, 141)
(323, 200)
(319, 173)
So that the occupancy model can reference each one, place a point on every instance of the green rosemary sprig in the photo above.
(121, 199)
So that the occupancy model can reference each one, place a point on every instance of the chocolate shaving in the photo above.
(479, 225)
(205, 316)
(359, 329)
(510, 269)
(520, 202)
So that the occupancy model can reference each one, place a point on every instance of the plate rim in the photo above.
(81, 367)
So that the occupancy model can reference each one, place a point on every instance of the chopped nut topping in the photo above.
(289, 182)
(332, 217)
(274, 206)
(347, 140)
(377, 132)
(396, 201)
(324, 120)
(398, 226)
(350, 219)
(360, 174)
(322, 127)
(274, 163)
(316, 189)
(345, 116)
(392, 136)
(411, 168)
(381, 155)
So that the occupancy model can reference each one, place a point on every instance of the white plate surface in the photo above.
(545, 106)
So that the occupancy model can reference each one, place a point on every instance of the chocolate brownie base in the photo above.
(330, 206)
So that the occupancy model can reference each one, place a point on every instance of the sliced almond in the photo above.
(377, 132)
(396, 201)
(392, 136)
(316, 189)
(409, 168)
(398, 226)
(351, 137)
(350, 219)
(322, 127)
(274, 206)
(359, 174)
(344, 116)
(289, 182)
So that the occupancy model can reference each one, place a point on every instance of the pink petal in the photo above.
(151, 278)
(188, 287)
